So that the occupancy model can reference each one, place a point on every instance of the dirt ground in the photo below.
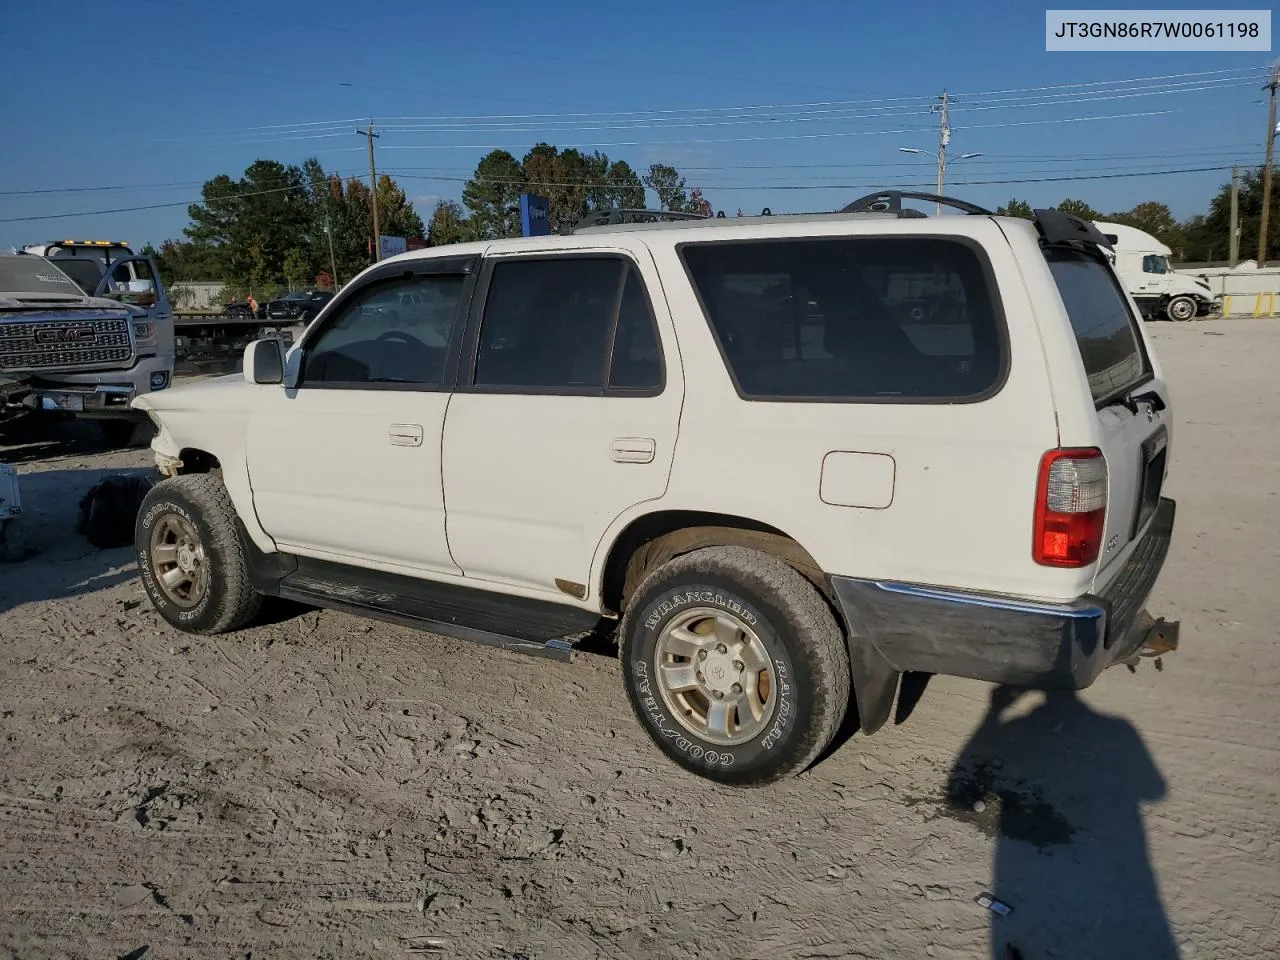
(323, 786)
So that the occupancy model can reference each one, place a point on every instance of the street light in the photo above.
(942, 165)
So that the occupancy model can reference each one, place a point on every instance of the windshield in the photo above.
(297, 295)
(1106, 331)
(28, 274)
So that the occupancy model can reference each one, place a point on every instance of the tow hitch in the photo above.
(1159, 637)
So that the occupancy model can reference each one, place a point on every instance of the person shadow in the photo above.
(1061, 789)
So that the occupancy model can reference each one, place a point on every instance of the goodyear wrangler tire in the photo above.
(190, 556)
(735, 665)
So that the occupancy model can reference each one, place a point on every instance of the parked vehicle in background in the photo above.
(801, 463)
(300, 306)
(1142, 263)
(85, 340)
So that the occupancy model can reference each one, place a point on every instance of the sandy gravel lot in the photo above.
(322, 786)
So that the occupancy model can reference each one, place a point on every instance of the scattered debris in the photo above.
(133, 895)
(989, 901)
(108, 511)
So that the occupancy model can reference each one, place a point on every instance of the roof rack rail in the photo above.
(890, 201)
(1065, 229)
(615, 215)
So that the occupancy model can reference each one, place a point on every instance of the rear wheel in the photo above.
(734, 665)
(1181, 309)
(191, 558)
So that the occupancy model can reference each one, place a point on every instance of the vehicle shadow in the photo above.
(36, 438)
(1061, 789)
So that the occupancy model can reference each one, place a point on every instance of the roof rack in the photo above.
(890, 201)
(1064, 229)
(614, 215)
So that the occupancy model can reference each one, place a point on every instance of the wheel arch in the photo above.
(654, 538)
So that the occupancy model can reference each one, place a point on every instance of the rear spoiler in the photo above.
(1058, 229)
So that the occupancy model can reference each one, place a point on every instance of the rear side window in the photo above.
(1106, 330)
(851, 318)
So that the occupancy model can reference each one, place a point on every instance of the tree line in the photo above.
(574, 184)
(272, 228)
(279, 225)
(292, 226)
(1200, 238)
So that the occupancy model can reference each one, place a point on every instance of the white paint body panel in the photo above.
(532, 482)
(351, 474)
(529, 489)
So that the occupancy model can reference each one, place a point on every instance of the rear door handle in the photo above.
(633, 450)
(405, 434)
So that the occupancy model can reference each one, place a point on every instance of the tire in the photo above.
(194, 515)
(804, 665)
(118, 433)
(1181, 309)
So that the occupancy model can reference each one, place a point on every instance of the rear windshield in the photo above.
(1106, 330)
(849, 318)
(85, 272)
(28, 274)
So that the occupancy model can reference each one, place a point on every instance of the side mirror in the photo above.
(264, 362)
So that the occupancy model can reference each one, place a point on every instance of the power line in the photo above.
(716, 187)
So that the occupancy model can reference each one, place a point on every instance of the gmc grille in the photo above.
(46, 344)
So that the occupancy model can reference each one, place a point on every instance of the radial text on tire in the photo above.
(735, 665)
(191, 558)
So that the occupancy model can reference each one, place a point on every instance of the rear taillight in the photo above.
(1071, 508)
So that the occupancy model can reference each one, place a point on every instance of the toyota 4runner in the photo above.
(802, 462)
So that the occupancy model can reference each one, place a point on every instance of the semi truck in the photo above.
(1142, 263)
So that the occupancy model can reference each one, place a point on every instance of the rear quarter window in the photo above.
(907, 319)
(1105, 328)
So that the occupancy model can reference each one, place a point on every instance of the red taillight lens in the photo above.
(1071, 508)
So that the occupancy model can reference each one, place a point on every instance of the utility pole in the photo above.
(333, 264)
(373, 193)
(944, 138)
(1266, 170)
(1234, 244)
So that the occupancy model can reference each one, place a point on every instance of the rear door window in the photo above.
(852, 318)
(1106, 330)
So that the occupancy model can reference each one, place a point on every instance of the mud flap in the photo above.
(874, 684)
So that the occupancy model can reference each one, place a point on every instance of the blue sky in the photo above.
(163, 94)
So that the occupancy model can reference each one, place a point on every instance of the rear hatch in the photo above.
(1131, 401)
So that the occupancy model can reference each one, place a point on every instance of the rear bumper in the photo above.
(1004, 639)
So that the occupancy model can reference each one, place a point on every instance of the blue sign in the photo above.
(535, 215)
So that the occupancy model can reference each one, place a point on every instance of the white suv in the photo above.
(797, 457)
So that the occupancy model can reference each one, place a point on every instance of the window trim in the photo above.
(988, 276)
(1148, 368)
(475, 321)
(422, 268)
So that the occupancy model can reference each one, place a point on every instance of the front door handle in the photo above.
(633, 450)
(405, 434)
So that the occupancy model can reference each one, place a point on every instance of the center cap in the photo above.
(720, 673)
(186, 559)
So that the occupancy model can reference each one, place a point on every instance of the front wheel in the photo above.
(1181, 309)
(191, 558)
(734, 665)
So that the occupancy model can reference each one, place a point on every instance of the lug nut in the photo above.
(739, 665)
(702, 654)
(737, 688)
(721, 648)
(717, 694)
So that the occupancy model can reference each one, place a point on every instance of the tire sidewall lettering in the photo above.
(649, 625)
(169, 610)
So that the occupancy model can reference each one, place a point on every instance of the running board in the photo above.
(535, 627)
